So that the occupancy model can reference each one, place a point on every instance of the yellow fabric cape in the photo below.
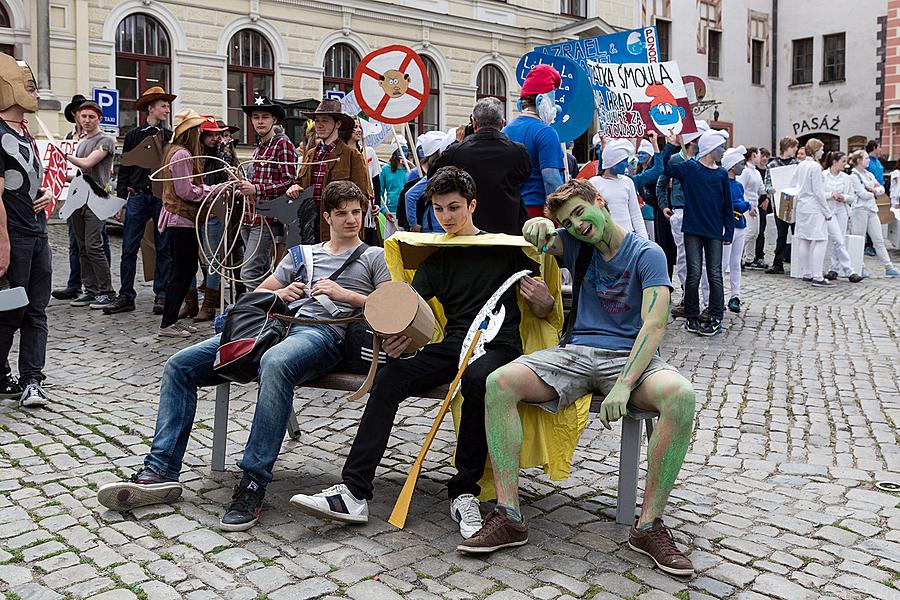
(548, 439)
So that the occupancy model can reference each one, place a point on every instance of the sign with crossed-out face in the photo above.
(391, 85)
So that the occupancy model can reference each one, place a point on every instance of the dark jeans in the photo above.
(74, 282)
(695, 250)
(663, 230)
(183, 245)
(782, 248)
(434, 365)
(760, 251)
(30, 266)
(142, 207)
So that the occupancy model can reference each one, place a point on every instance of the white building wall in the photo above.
(848, 108)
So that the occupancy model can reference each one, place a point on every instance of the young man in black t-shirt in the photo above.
(462, 279)
(24, 249)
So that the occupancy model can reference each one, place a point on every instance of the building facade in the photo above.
(215, 56)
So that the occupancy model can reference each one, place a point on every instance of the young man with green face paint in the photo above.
(610, 347)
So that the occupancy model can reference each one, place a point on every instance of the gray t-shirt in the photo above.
(102, 171)
(362, 277)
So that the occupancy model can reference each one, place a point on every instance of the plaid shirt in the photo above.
(318, 171)
(272, 180)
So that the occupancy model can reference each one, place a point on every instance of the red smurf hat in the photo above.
(540, 80)
(660, 95)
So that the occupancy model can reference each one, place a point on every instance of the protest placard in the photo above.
(634, 98)
(56, 167)
(574, 95)
(634, 46)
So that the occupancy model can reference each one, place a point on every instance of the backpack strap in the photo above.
(582, 264)
(350, 260)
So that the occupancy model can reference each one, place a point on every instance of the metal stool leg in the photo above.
(629, 455)
(293, 427)
(220, 426)
(648, 424)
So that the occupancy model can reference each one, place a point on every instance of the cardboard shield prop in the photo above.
(391, 85)
(396, 309)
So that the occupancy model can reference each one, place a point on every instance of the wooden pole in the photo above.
(415, 154)
(400, 149)
(401, 507)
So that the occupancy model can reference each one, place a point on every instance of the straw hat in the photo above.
(152, 95)
(185, 119)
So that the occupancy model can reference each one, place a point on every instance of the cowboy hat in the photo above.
(152, 95)
(226, 127)
(186, 119)
(71, 107)
(264, 104)
(211, 125)
(332, 108)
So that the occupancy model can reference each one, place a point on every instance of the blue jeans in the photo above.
(308, 352)
(695, 250)
(74, 282)
(140, 208)
(214, 232)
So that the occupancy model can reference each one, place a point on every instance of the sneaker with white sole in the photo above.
(33, 395)
(173, 331)
(466, 511)
(141, 489)
(335, 503)
(186, 326)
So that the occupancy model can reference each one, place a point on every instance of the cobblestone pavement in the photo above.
(798, 408)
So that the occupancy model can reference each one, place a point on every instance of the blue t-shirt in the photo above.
(430, 223)
(392, 182)
(609, 303)
(542, 143)
(876, 169)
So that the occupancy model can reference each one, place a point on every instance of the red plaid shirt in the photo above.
(271, 180)
(323, 151)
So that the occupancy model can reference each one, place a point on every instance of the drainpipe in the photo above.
(774, 75)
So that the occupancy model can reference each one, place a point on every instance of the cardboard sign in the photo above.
(784, 184)
(633, 99)
(56, 167)
(574, 95)
(391, 84)
(634, 46)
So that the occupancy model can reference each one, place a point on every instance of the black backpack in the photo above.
(402, 219)
(251, 328)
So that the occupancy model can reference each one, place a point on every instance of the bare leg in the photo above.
(506, 387)
(671, 395)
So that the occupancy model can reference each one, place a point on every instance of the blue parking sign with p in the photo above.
(109, 104)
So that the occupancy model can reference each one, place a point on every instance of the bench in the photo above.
(629, 449)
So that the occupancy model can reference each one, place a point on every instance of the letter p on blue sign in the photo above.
(109, 103)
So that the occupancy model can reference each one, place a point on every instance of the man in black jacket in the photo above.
(497, 164)
(134, 184)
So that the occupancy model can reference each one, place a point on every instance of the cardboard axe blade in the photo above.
(13, 298)
(286, 210)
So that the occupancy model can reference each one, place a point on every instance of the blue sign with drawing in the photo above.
(574, 96)
(634, 46)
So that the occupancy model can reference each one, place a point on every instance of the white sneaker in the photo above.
(334, 503)
(33, 396)
(465, 511)
(174, 331)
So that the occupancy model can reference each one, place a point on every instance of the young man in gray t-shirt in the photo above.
(94, 157)
(308, 352)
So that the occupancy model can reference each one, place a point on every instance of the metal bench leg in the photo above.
(293, 427)
(220, 426)
(629, 455)
(648, 424)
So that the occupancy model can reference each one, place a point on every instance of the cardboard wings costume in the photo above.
(548, 439)
(83, 190)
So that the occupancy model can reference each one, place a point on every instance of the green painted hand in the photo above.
(538, 232)
(615, 405)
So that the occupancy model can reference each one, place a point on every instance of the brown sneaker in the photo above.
(498, 532)
(658, 543)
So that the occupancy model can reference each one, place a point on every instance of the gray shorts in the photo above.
(574, 371)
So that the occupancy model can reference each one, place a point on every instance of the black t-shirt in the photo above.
(462, 279)
(22, 173)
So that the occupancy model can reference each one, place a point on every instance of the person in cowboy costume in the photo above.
(345, 163)
(265, 181)
(133, 183)
(24, 248)
(73, 285)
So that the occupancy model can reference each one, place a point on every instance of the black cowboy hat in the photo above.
(263, 103)
(71, 107)
(223, 125)
(332, 108)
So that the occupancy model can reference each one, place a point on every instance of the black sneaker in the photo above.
(10, 387)
(65, 293)
(246, 504)
(711, 328)
(734, 305)
(775, 270)
(142, 489)
(692, 325)
(119, 305)
(83, 300)
(855, 278)
(831, 275)
(159, 304)
(103, 302)
(823, 283)
(33, 395)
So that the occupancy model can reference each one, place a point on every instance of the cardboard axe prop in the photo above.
(298, 215)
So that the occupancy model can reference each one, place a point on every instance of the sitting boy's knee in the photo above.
(682, 399)
(500, 383)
